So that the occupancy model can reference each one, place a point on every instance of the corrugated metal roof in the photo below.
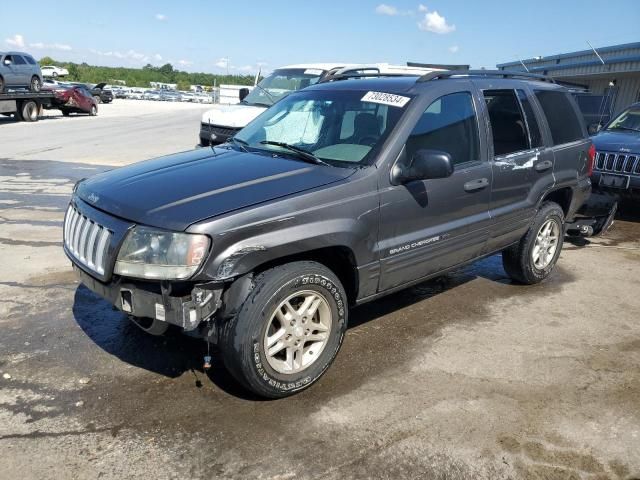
(560, 56)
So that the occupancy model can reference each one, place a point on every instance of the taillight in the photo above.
(592, 159)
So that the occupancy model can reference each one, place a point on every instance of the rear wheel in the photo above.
(36, 84)
(29, 111)
(1, 84)
(65, 112)
(54, 74)
(288, 330)
(532, 259)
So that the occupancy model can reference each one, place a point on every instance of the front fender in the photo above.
(245, 255)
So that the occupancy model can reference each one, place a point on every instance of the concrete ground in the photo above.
(467, 376)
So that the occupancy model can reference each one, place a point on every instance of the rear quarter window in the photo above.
(564, 123)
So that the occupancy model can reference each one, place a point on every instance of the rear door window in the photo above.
(29, 60)
(508, 126)
(535, 137)
(18, 60)
(563, 121)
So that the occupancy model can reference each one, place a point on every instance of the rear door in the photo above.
(519, 159)
(428, 226)
(22, 70)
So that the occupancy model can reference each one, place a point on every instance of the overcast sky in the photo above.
(241, 36)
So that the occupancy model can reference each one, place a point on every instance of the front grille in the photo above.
(85, 240)
(617, 162)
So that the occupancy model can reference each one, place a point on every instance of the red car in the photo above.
(72, 99)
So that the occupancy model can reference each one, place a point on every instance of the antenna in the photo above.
(525, 67)
(596, 52)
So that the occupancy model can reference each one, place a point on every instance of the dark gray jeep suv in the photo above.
(337, 195)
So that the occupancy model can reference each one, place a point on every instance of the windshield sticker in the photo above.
(313, 71)
(386, 99)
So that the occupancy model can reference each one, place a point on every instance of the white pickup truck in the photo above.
(223, 121)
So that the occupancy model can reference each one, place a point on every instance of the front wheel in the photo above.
(532, 259)
(288, 330)
(94, 111)
(97, 98)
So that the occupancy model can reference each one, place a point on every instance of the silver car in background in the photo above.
(19, 70)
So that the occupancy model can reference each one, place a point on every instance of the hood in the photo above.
(100, 85)
(233, 116)
(617, 141)
(175, 191)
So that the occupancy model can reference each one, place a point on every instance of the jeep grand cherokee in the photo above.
(336, 195)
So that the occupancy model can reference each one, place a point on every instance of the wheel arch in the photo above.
(563, 196)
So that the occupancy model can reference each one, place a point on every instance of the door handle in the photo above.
(545, 165)
(477, 184)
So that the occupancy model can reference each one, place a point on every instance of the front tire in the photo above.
(97, 98)
(94, 111)
(288, 330)
(532, 259)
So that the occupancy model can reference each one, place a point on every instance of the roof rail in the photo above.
(345, 76)
(484, 73)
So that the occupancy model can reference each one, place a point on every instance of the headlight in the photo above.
(161, 255)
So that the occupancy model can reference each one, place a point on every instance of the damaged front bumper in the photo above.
(156, 300)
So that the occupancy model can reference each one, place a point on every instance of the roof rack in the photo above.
(346, 76)
(484, 73)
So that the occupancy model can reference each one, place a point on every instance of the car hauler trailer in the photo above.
(25, 106)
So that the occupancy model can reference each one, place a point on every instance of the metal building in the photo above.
(613, 71)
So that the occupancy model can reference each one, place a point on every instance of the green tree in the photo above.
(183, 85)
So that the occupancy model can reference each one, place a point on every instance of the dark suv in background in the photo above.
(617, 168)
(335, 196)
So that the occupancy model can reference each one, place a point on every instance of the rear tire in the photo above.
(532, 259)
(35, 84)
(288, 331)
(1, 85)
(29, 111)
(65, 112)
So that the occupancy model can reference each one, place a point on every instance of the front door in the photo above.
(428, 226)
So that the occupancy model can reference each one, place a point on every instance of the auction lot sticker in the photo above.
(386, 99)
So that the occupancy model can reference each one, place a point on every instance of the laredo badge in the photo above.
(386, 99)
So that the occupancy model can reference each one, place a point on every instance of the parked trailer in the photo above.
(25, 106)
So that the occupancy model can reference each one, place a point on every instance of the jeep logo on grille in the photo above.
(93, 198)
(625, 150)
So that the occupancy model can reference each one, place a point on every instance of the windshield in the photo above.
(280, 83)
(627, 120)
(337, 127)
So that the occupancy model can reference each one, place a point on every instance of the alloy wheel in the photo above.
(298, 332)
(546, 244)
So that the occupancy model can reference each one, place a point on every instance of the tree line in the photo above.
(141, 77)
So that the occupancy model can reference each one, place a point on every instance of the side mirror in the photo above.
(7, 61)
(594, 128)
(425, 165)
(242, 93)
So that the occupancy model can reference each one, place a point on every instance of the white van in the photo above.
(223, 121)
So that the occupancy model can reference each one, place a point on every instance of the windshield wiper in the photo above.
(265, 91)
(302, 153)
(624, 128)
(238, 142)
